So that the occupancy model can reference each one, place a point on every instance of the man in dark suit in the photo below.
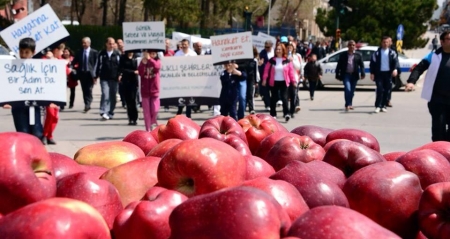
(84, 63)
(348, 70)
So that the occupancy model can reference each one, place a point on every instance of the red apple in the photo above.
(388, 194)
(179, 127)
(108, 154)
(92, 170)
(238, 144)
(442, 147)
(239, 212)
(54, 218)
(63, 165)
(26, 172)
(315, 189)
(257, 127)
(392, 156)
(257, 167)
(356, 135)
(328, 145)
(337, 223)
(291, 148)
(316, 133)
(133, 179)
(430, 166)
(163, 147)
(327, 172)
(220, 127)
(148, 218)
(98, 193)
(142, 139)
(285, 193)
(200, 166)
(434, 208)
(154, 133)
(268, 142)
(350, 156)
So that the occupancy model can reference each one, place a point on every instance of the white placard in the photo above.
(229, 47)
(206, 43)
(33, 80)
(259, 42)
(197, 77)
(42, 25)
(268, 37)
(144, 35)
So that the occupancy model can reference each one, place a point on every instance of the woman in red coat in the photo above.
(150, 85)
(72, 81)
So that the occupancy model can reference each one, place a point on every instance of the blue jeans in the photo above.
(108, 98)
(21, 117)
(349, 89)
(242, 99)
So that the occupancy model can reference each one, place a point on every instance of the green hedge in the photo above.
(98, 34)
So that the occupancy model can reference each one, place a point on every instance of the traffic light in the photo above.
(338, 34)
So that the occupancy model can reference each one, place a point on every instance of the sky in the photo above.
(439, 10)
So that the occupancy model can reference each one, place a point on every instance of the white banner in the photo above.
(144, 35)
(259, 42)
(197, 77)
(268, 37)
(178, 36)
(229, 47)
(206, 43)
(33, 80)
(42, 25)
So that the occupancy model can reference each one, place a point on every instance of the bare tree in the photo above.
(79, 8)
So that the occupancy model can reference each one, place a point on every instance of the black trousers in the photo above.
(72, 96)
(440, 121)
(384, 85)
(279, 89)
(87, 83)
(250, 95)
(312, 87)
(129, 91)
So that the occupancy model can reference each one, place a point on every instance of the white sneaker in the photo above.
(279, 103)
(383, 110)
(267, 108)
(105, 116)
(377, 110)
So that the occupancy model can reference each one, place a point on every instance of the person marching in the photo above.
(150, 87)
(348, 69)
(230, 79)
(313, 73)
(128, 77)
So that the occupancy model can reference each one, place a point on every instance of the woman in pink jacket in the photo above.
(279, 74)
(149, 73)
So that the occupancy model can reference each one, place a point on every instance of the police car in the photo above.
(329, 67)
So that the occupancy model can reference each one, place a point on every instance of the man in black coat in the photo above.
(348, 70)
(84, 63)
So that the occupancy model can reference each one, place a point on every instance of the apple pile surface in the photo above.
(249, 179)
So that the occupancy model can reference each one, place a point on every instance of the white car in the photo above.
(329, 67)
(5, 54)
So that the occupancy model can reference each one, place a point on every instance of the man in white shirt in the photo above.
(185, 50)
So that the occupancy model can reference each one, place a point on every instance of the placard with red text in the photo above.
(231, 47)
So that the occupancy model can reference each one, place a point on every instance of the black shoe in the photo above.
(70, 106)
(44, 141)
(287, 118)
(86, 109)
(312, 97)
(133, 123)
(51, 141)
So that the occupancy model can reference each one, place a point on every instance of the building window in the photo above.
(67, 3)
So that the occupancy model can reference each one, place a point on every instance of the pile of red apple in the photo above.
(225, 179)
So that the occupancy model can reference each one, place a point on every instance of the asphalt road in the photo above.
(404, 127)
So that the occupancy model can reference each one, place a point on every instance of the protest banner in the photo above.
(144, 35)
(259, 42)
(206, 43)
(178, 36)
(42, 25)
(268, 37)
(194, 82)
(231, 47)
(33, 82)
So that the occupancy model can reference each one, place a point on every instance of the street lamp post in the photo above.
(268, 18)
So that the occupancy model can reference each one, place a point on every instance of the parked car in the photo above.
(329, 67)
(6, 54)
